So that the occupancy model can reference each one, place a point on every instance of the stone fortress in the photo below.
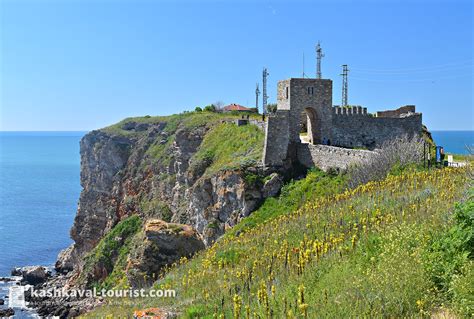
(336, 136)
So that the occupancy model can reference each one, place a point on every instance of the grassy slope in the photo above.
(228, 146)
(364, 252)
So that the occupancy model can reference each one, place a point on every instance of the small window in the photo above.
(287, 92)
(312, 90)
(309, 90)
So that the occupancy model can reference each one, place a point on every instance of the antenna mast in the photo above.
(265, 96)
(257, 93)
(345, 72)
(304, 75)
(319, 56)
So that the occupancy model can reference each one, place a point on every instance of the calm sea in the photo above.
(39, 190)
(454, 141)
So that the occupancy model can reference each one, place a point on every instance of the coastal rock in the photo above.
(150, 169)
(6, 313)
(153, 172)
(66, 260)
(272, 186)
(34, 275)
(16, 272)
(163, 243)
(2, 302)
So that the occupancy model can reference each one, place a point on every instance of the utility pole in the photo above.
(319, 56)
(265, 96)
(257, 93)
(304, 74)
(345, 72)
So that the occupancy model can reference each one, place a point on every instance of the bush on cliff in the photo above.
(228, 146)
(110, 254)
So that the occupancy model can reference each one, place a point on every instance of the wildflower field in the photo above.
(400, 247)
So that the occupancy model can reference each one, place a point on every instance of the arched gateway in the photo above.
(312, 97)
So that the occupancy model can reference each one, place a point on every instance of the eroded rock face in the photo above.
(162, 244)
(151, 171)
(34, 275)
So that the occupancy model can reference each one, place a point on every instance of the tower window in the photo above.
(310, 90)
(287, 92)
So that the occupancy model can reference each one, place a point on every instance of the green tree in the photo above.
(210, 108)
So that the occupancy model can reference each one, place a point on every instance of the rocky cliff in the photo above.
(196, 169)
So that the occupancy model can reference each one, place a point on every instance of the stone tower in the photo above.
(297, 96)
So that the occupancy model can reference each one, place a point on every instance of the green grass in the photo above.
(111, 253)
(294, 194)
(361, 253)
(228, 147)
(185, 119)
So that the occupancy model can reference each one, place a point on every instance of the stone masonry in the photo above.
(340, 127)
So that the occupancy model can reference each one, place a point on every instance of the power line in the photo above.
(345, 72)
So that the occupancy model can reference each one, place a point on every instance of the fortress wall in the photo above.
(326, 157)
(277, 138)
(371, 132)
(396, 113)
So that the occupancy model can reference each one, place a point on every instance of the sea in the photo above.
(454, 142)
(39, 191)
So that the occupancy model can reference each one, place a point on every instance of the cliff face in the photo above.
(161, 169)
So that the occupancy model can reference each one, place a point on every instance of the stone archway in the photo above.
(313, 126)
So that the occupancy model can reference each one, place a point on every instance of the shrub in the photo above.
(395, 154)
(210, 108)
(198, 109)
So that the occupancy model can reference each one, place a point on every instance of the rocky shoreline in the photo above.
(40, 279)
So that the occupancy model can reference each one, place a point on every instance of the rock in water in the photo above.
(34, 275)
(16, 272)
(5, 313)
(163, 244)
(2, 302)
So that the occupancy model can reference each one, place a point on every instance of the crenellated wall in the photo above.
(343, 127)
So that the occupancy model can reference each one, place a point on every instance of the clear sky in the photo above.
(81, 65)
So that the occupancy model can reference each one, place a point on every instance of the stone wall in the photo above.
(276, 138)
(398, 112)
(360, 130)
(326, 157)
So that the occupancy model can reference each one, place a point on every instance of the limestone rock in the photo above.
(34, 275)
(6, 313)
(272, 186)
(66, 259)
(163, 243)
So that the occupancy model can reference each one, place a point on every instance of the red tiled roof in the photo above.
(235, 107)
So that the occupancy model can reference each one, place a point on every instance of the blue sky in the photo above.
(82, 65)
